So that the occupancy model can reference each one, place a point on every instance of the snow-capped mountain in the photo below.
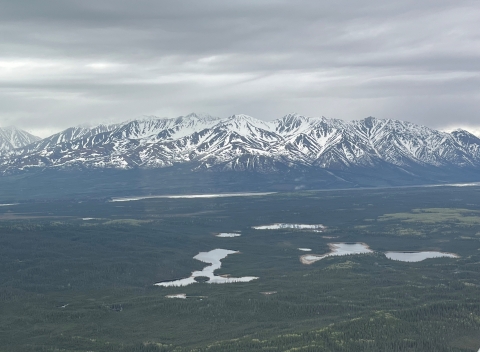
(68, 135)
(241, 142)
(12, 138)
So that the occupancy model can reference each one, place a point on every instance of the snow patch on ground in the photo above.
(305, 249)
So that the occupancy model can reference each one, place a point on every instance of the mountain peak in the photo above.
(464, 136)
(460, 131)
(370, 121)
(9, 128)
(293, 116)
(242, 117)
(201, 115)
(12, 137)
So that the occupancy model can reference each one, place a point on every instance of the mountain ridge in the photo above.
(243, 143)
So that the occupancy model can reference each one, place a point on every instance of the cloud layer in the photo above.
(70, 62)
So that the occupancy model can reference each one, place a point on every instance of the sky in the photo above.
(65, 63)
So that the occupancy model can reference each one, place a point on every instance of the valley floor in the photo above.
(80, 275)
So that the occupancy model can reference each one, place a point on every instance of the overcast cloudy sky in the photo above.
(65, 63)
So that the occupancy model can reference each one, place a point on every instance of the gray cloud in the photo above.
(70, 62)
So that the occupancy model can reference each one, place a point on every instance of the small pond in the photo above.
(214, 258)
(280, 226)
(417, 256)
(337, 249)
(228, 234)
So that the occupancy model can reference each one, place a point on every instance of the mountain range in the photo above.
(241, 143)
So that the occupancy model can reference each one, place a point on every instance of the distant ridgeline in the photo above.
(293, 152)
